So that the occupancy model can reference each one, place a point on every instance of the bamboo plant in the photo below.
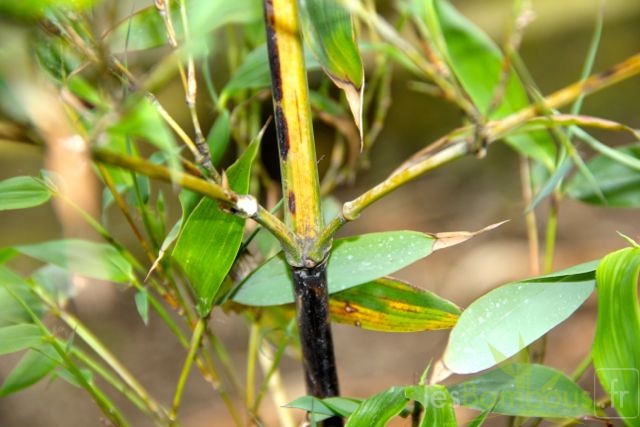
(82, 81)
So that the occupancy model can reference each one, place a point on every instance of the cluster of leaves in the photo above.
(207, 257)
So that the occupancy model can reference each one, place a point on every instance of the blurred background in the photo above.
(466, 195)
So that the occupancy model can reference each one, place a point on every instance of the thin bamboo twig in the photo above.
(273, 381)
(196, 339)
(530, 217)
(104, 403)
(252, 359)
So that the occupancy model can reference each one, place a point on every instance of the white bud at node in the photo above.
(247, 205)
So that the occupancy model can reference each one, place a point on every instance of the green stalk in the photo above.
(193, 349)
(106, 406)
(111, 379)
(551, 233)
(252, 358)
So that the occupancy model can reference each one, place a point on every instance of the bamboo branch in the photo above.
(455, 144)
(242, 205)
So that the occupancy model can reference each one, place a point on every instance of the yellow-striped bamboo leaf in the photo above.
(391, 305)
(328, 32)
(615, 347)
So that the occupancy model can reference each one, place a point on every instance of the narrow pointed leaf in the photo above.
(354, 261)
(90, 259)
(524, 390)
(19, 337)
(477, 63)
(390, 305)
(321, 409)
(328, 32)
(615, 346)
(142, 305)
(22, 192)
(210, 238)
(619, 183)
(377, 410)
(34, 366)
(219, 137)
(480, 419)
(515, 315)
(11, 285)
(551, 184)
(437, 404)
(141, 119)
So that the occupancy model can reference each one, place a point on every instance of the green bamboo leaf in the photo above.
(514, 315)
(524, 390)
(615, 346)
(377, 410)
(145, 29)
(328, 32)
(321, 409)
(70, 377)
(354, 261)
(141, 119)
(437, 404)
(219, 137)
(619, 183)
(210, 238)
(11, 312)
(90, 259)
(480, 419)
(477, 63)
(57, 281)
(35, 9)
(142, 305)
(84, 90)
(390, 305)
(23, 192)
(34, 366)
(254, 73)
(19, 337)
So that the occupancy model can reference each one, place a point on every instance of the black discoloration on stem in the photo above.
(292, 203)
(312, 307)
(276, 80)
(608, 73)
(282, 132)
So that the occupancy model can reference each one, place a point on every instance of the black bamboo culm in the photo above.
(312, 308)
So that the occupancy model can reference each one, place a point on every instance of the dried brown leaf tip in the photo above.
(452, 238)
